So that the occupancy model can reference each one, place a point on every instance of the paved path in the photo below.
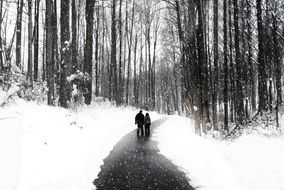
(135, 164)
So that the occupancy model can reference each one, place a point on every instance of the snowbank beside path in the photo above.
(50, 148)
(249, 163)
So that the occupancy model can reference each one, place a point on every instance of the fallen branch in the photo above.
(8, 118)
(238, 126)
(9, 94)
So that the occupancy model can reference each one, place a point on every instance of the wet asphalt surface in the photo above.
(135, 164)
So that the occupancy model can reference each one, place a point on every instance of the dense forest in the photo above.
(219, 62)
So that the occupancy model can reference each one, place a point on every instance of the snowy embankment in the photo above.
(252, 162)
(50, 148)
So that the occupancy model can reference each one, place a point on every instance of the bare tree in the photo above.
(74, 53)
(36, 39)
(97, 51)
(262, 76)
(64, 90)
(239, 90)
(216, 63)
(88, 64)
(113, 67)
(49, 51)
(19, 33)
(30, 46)
(226, 70)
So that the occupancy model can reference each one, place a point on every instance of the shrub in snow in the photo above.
(77, 82)
(13, 84)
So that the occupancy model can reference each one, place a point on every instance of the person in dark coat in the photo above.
(147, 123)
(139, 120)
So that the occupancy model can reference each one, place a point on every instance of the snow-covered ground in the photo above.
(252, 162)
(50, 148)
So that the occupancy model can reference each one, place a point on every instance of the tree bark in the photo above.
(226, 70)
(239, 92)
(216, 64)
(262, 76)
(251, 73)
(135, 89)
(49, 51)
(55, 53)
(64, 92)
(232, 68)
(182, 49)
(277, 61)
(201, 64)
(44, 66)
(74, 38)
(36, 39)
(97, 53)
(120, 81)
(153, 70)
(113, 54)
(19, 34)
(88, 64)
(30, 44)
(129, 55)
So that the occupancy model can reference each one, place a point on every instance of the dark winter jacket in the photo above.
(147, 120)
(139, 119)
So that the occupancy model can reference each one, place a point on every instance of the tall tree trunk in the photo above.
(64, 92)
(74, 38)
(145, 77)
(268, 49)
(103, 73)
(36, 39)
(19, 33)
(123, 83)
(153, 70)
(97, 52)
(277, 61)
(239, 92)
(216, 65)
(49, 51)
(226, 70)
(120, 81)
(182, 49)
(232, 68)
(262, 76)
(206, 86)
(44, 66)
(201, 63)
(55, 54)
(149, 65)
(30, 45)
(135, 89)
(140, 83)
(88, 64)
(243, 59)
(251, 72)
(113, 53)
(129, 55)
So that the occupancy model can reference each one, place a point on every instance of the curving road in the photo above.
(135, 164)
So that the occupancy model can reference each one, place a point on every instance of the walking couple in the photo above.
(141, 121)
